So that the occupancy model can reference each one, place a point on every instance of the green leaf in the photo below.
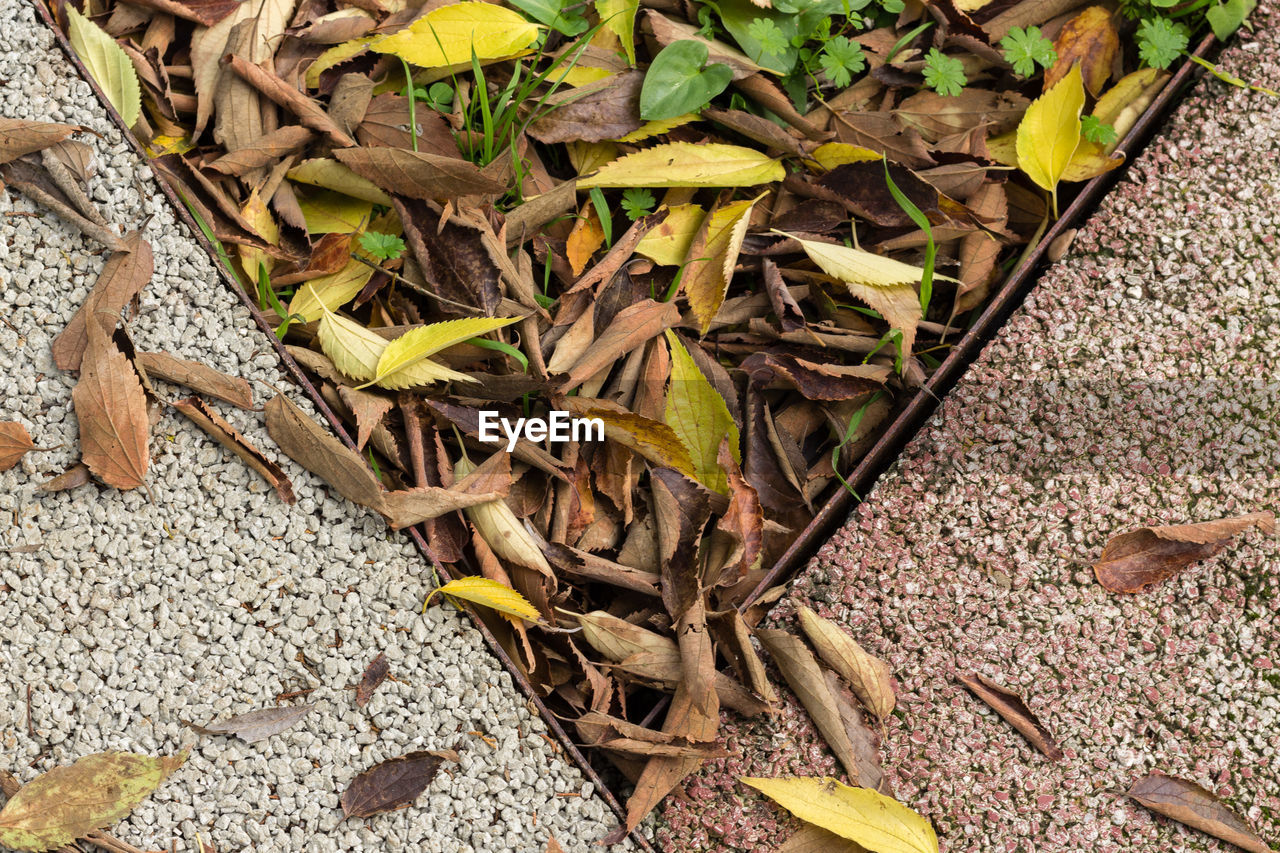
(109, 65)
(637, 202)
(841, 59)
(944, 73)
(1025, 49)
(769, 36)
(560, 15)
(1227, 17)
(1096, 130)
(388, 247)
(619, 17)
(410, 350)
(679, 81)
(698, 415)
(1161, 41)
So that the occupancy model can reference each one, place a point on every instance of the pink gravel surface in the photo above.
(1137, 385)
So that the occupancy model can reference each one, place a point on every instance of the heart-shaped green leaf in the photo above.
(677, 81)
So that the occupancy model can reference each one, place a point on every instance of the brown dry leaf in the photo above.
(368, 408)
(814, 839)
(804, 676)
(1134, 560)
(111, 407)
(742, 522)
(1090, 40)
(979, 251)
(123, 277)
(866, 747)
(815, 381)
(586, 237)
(866, 675)
(72, 478)
(198, 377)
(1188, 803)
(584, 564)
(939, 116)
(263, 151)
(553, 846)
(374, 674)
(15, 442)
(393, 784)
(307, 111)
(713, 254)
(311, 446)
(607, 109)
(785, 307)
(863, 189)
(1009, 705)
(634, 325)
(20, 136)
(257, 725)
(418, 174)
(229, 437)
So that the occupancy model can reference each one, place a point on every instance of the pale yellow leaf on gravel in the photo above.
(451, 34)
(395, 365)
(684, 164)
(877, 822)
(491, 594)
(698, 415)
(1049, 132)
(706, 278)
(109, 65)
(668, 243)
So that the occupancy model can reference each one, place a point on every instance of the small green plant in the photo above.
(1025, 49)
(944, 74)
(637, 202)
(771, 38)
(386, 247)
(564, 16)
(438, 96)
(1161, 41)
(841, 59)
(680, 81)
(1096, 130)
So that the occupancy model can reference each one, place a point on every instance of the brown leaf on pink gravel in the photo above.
(1139, 558)
(1188, 803)
(111, 407)
(814, 839)
(866, 745)
(15, 442)
(123, 276)
(198, 377)
(374, 675)
(1009, 705)
(199, 413)
(20, 136)
(393, 784)
(867, 676)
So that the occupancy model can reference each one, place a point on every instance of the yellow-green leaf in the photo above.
(706, 278)
(491, 594)
(451, 34)
(352, 348)
(335, 55)
(685, 164)
(657, 127)
(832, 154)
(861, 815)
(56, 808)
(668, 243)
(619, 18)
(1050, 132)
(699, 416)
(332, 175)
(410, 350)
(329, 292)
(109, 65)
(327, 212)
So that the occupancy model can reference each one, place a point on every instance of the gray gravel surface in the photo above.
(134, 614)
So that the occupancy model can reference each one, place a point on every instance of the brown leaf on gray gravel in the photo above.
(489, 482)
(311, 446)
(1136, 559)
(1009, 705)
(14, 443)
(229, 437)
(72, 478)
(123, 276)
(256, 725)
(867, 676)
(198, 377)
(1188, 803)
(374, 674)
(20, 136)
(553, 846)
(418, 174)
(111, 407)
(391, 785)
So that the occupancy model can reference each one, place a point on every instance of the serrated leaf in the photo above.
(450, 35)
(699, 416)
(829, 155)
(109, 65)
(351, 347)
(491, 594)
(395, 366)
(877, 822)
(1049, 133)
(709, 267)
(329, 292)
(684, 164)
(57, 807)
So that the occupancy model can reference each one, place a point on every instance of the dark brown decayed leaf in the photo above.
(14, 444)
(229, 437)
(863, 189)
(198, 377)
(606, 109)
(1009, 705)
(123, 277)
(111, 407)
(257, 725)
(790, 317)
(418, 174)
(206, 12)
(1134, 560)
(21, 136)
(1188, 803)
(374, 675)
(393, 784)
(815, 381)
(311, 446)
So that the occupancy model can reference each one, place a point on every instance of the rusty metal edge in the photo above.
(911, 418)
(335, 423)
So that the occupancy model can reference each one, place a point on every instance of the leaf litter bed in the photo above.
(732, 386)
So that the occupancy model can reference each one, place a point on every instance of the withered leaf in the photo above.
(367, 407)
(814, 839)
(979, 251)
(633, 326)
(72, 478)
(123, 276)
(311, 446)
(257, 725)
(1089, 40)
(815, 381)
(374, 675)
(111, 407)
(1009, 705)
(863, 189)
(263, 151)
(418, 174)
(206, 12)
(229, 437)
(867, 676)
(937, 116)
(21, 136)
(14, 443)
(453, 259)
(308, 111)
(866, 748)
(387, 117)
(198, 377)
(393, 784)
(785, 306)
(1139, 558)
(607, 109)
(1188, 803)
(584, 564)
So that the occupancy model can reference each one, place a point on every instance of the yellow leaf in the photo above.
(861, 815)
(657, 127)
(1050, 132)
(587, 236)
(332, 175)
(706, 278)
(684, 164)
(396, 367)
(328, 292)
(832, 154)
(588, 156)
(451, 34)
(668, 243)
(168, 144)
(256, 214)
(619, 17)
(1090, 160)
(585, 75)
(1004, 148)
(1121, 105)
(327, 212)
(699, 416)
(491, 594)
(352, 348)
(109, 65)
(335, 55)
